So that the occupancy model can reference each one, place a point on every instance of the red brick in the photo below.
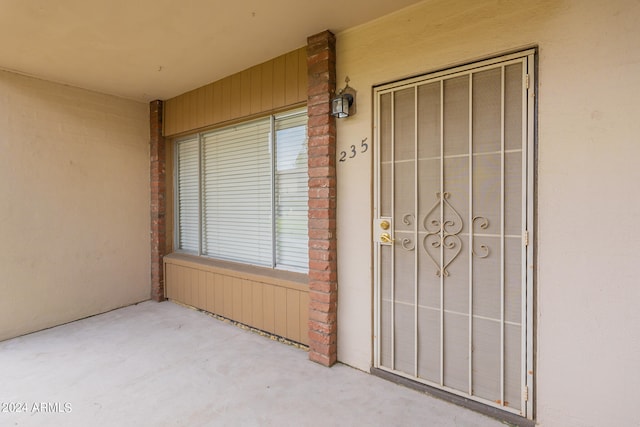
(323, 307)
(325, 349)
(321, 337)
(326, 182)
(322, 255)
(321, 316)
(325, 294)
(323, 359)
(320, 235)
(328, 276)
(325, 203)
(322, 171)
(322, 244)
(157, 159)
(327, 150)
(323, 272)
(322, 223)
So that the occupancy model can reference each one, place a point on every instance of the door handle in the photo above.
(386, 238)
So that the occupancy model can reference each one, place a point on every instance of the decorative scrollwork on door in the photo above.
(484, 224)
(407, 243)
(442, 233)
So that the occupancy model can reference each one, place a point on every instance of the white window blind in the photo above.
(188, 186)
(291, 192)
(237, 193)
(242, 193)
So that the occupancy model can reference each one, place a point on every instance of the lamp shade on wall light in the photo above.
(340, 105)
(343, 104)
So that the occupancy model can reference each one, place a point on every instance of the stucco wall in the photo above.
(588, 233)
(74, 210)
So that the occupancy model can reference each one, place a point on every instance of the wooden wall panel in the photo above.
(269, 86)
(293, 314)
(257, 314)
(304, 318)
(279, 79)
(281, 311)
(270, 304)
(266, 86)
(269, 308)
(169, 269)
(255, 98)
(291, 83)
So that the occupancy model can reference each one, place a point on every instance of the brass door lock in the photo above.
(386, 238)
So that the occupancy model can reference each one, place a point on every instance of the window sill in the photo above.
(298, 281)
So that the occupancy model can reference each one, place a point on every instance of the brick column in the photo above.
(323, 272)
(158, 200)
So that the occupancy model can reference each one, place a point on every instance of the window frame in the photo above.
(199, 137)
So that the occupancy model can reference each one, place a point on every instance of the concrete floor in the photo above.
(166, 365)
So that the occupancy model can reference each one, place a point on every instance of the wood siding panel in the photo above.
(169, 270)
(247, 299)
(267, 86)
(216, 115)
(226, 100)
(211, 293)
(291, 79)
(218, 284)
(201, 107)
(245, 93)
(257, 314)
(270, 304)
(170, 119)
(256, 90)
(279, 77)
(228, 297)
(304, 318)
(202, 289)
(189, 110)
(302, 74)
(272, 85)
(281, 311)
(192, 277)
(236, 96)
(293, 314)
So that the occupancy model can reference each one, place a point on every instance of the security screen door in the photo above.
(453, 231)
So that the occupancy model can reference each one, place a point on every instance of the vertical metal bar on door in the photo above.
(502, 213)
(523, 221)
(377, 214)
(470, 226)
(393, 211)
(529, 265)
(441, 232)
(415, 227)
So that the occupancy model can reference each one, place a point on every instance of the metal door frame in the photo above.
(528, 171)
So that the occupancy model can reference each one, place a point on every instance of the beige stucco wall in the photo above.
(74, 204)
(588, 229)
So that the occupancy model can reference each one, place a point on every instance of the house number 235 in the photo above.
(354, 151)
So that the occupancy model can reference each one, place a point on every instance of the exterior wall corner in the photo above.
(158, 199)
(323, 271)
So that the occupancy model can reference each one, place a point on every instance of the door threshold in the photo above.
(505, 417)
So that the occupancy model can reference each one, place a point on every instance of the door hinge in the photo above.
(526, 238)
(525, 393)
(526, 81)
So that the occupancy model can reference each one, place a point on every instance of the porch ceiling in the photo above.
(157, 49)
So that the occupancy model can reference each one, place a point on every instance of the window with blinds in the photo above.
(242, 193)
